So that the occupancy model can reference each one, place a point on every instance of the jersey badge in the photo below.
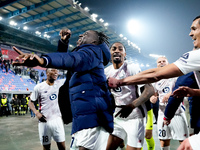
(53, 97)
(118, 89)
(185, 56)
(166, 90)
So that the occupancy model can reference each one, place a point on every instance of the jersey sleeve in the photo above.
(189, 62)
(106, 71)
(194, 141)
(34, 94)
(173, 102)
(154, 86)
(61, 82)
(134, 69)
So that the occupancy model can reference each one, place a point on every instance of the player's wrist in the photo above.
(165, 118)
(36, 113)
(120, 82)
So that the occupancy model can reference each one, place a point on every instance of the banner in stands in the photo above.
(4, 52)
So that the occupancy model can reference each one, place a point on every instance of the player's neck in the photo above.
(117, 65)
(50, 82)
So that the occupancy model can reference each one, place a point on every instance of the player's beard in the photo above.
(117, 61)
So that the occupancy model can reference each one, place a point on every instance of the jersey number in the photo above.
(162, 133)
(45, 139)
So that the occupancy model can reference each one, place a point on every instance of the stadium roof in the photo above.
(20, 19)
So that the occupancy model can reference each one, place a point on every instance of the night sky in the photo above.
(165, 24)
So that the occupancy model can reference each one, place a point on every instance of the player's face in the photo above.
(89, 37)
(195, 33)
(117, 53)
(161, 62)
(52, 74)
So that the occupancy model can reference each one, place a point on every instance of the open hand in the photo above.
(153, 99)
(41, 117)
(166, 122)
(185, 145)
(183, 92)
(125, 110)
(166, 97)
(112, 82)
(28, 59)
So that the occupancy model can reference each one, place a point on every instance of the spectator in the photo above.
(23, 105)
(42, 74)
(4, 105)
(15, 104)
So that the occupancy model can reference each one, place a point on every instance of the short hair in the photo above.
(162, 57)
(196, 19)
(102, 38)
(47, 69)
(120, 43)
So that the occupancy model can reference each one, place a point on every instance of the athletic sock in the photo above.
(150, 143)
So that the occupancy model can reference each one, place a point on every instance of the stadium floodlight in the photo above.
(156, 56)
(86, 9)
(94, 16)
(134, 45)
(134, 27)
(1, 18)
(25, 28)
(121, 35)
(12, 23)
(147, 65)
(37, 32)
(125, 38)
(101, 20)
(142, 65)
(106, 24)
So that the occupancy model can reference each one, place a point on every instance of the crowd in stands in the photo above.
(11, 78)
(37, 75)
(17, 106)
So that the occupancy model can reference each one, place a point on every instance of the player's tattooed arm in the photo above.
(127, 109)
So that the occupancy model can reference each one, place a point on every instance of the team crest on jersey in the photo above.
(185, 56)
(118, 89)
(53, 97)
(166, 90)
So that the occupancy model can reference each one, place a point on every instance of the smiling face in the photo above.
(162, 61)
(52, 74)
(118, 54)
(89, 37)
(195, 33)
